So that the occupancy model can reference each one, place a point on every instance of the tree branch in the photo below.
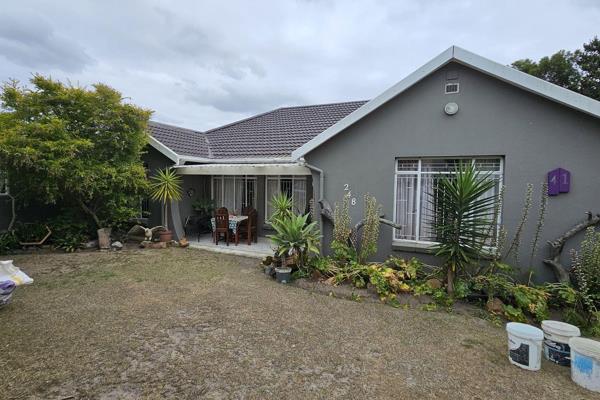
(557, 245)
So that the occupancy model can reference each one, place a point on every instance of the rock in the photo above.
(117, 245)
(92, 244)
(495, 306)
(145, 243)
(184, 243)
(434, 283)
(158, 245)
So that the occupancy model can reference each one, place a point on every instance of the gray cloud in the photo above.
(29, 41)
(201, 64)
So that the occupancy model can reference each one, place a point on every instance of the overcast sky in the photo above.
(200, 64)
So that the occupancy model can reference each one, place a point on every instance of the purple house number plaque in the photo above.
(559, 181)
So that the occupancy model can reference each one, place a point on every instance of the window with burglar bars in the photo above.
(234, 192)
(415, 190)
(292, 186)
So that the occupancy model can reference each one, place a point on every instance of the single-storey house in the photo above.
(458, 106)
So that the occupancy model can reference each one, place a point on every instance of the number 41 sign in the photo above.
(559, 181)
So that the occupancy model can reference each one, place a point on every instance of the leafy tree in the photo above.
(578, 71)
(73, 146)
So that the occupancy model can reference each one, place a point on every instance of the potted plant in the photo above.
(204, 209)
(295, 239)
(165, 187)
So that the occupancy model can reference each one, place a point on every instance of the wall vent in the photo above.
(451, 88)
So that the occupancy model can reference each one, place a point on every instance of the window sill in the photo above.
(413, 246)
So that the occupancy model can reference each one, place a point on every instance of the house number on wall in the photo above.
(559, 181)
(352, 199)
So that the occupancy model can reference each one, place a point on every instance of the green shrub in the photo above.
(30, 232)
(8, 242)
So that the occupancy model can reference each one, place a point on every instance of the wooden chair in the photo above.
(221, 225)
(249, 227)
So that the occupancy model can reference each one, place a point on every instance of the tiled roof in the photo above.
(273, 134)
(181, 140)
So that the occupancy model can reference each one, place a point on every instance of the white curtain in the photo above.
(229, 193)
(299, 195)
(272, 190)
(217, 191)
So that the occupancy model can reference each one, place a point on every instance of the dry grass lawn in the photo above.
(189, 324)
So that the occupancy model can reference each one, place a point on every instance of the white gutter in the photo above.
(241, 160)
(321, 176)
(243, 169)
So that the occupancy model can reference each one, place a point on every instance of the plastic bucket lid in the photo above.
(560, 328)
(586, 347)
(524, 331)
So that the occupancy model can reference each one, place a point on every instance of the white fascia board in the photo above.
(163, 149)
(243, 169)
(528, 82)
(505, 73)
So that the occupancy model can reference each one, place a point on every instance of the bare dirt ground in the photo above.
(189, 324)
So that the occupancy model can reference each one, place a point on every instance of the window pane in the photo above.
(299, 195)
(217, 187)
(429, 185)
(440, 165)
(487, 164)
(406, 206)
(272, 190)
(250, 193)
(240, 191)
(286, 186)
(407, 165)
(229, 200)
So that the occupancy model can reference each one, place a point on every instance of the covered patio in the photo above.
(237, 187)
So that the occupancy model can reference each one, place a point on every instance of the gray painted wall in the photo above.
(155, 161)
(534, 135)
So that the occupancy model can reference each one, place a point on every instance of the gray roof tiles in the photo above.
(273, 134)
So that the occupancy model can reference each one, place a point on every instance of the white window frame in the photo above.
(278, 178)
(246, 178)
(448, 84)
(417, 243)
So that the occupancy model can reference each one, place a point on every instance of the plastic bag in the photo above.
(8, 272)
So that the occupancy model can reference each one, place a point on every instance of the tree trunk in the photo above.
(450, 278)
(557, 245)
(14, 213)
(166, 216)
(87, 210)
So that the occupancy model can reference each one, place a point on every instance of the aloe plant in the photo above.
(463, 214)
(165, 187)
(295, 237)
(282, 207)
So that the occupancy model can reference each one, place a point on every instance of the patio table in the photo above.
(234, 222)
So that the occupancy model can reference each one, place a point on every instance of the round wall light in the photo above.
(451, 108)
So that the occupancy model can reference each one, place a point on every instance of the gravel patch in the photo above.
(188, 324)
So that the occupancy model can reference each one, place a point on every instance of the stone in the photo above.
(92, 244)
(434, 283)
(495, 306)
(184, 243)
(116, 245)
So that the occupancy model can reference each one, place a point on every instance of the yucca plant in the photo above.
(463, 213)
(165, 187)
(295, 237)
(282, 206)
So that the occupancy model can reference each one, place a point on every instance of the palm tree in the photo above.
(165, 187)
(464, 211)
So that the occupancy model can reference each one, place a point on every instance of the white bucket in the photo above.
(556, 341)
(585, 363)
(524, 345)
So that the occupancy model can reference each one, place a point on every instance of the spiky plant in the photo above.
(165, 186)
(464, 212)
(282, 206)
(295, 237)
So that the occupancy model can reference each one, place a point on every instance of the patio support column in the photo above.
(176, 220)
